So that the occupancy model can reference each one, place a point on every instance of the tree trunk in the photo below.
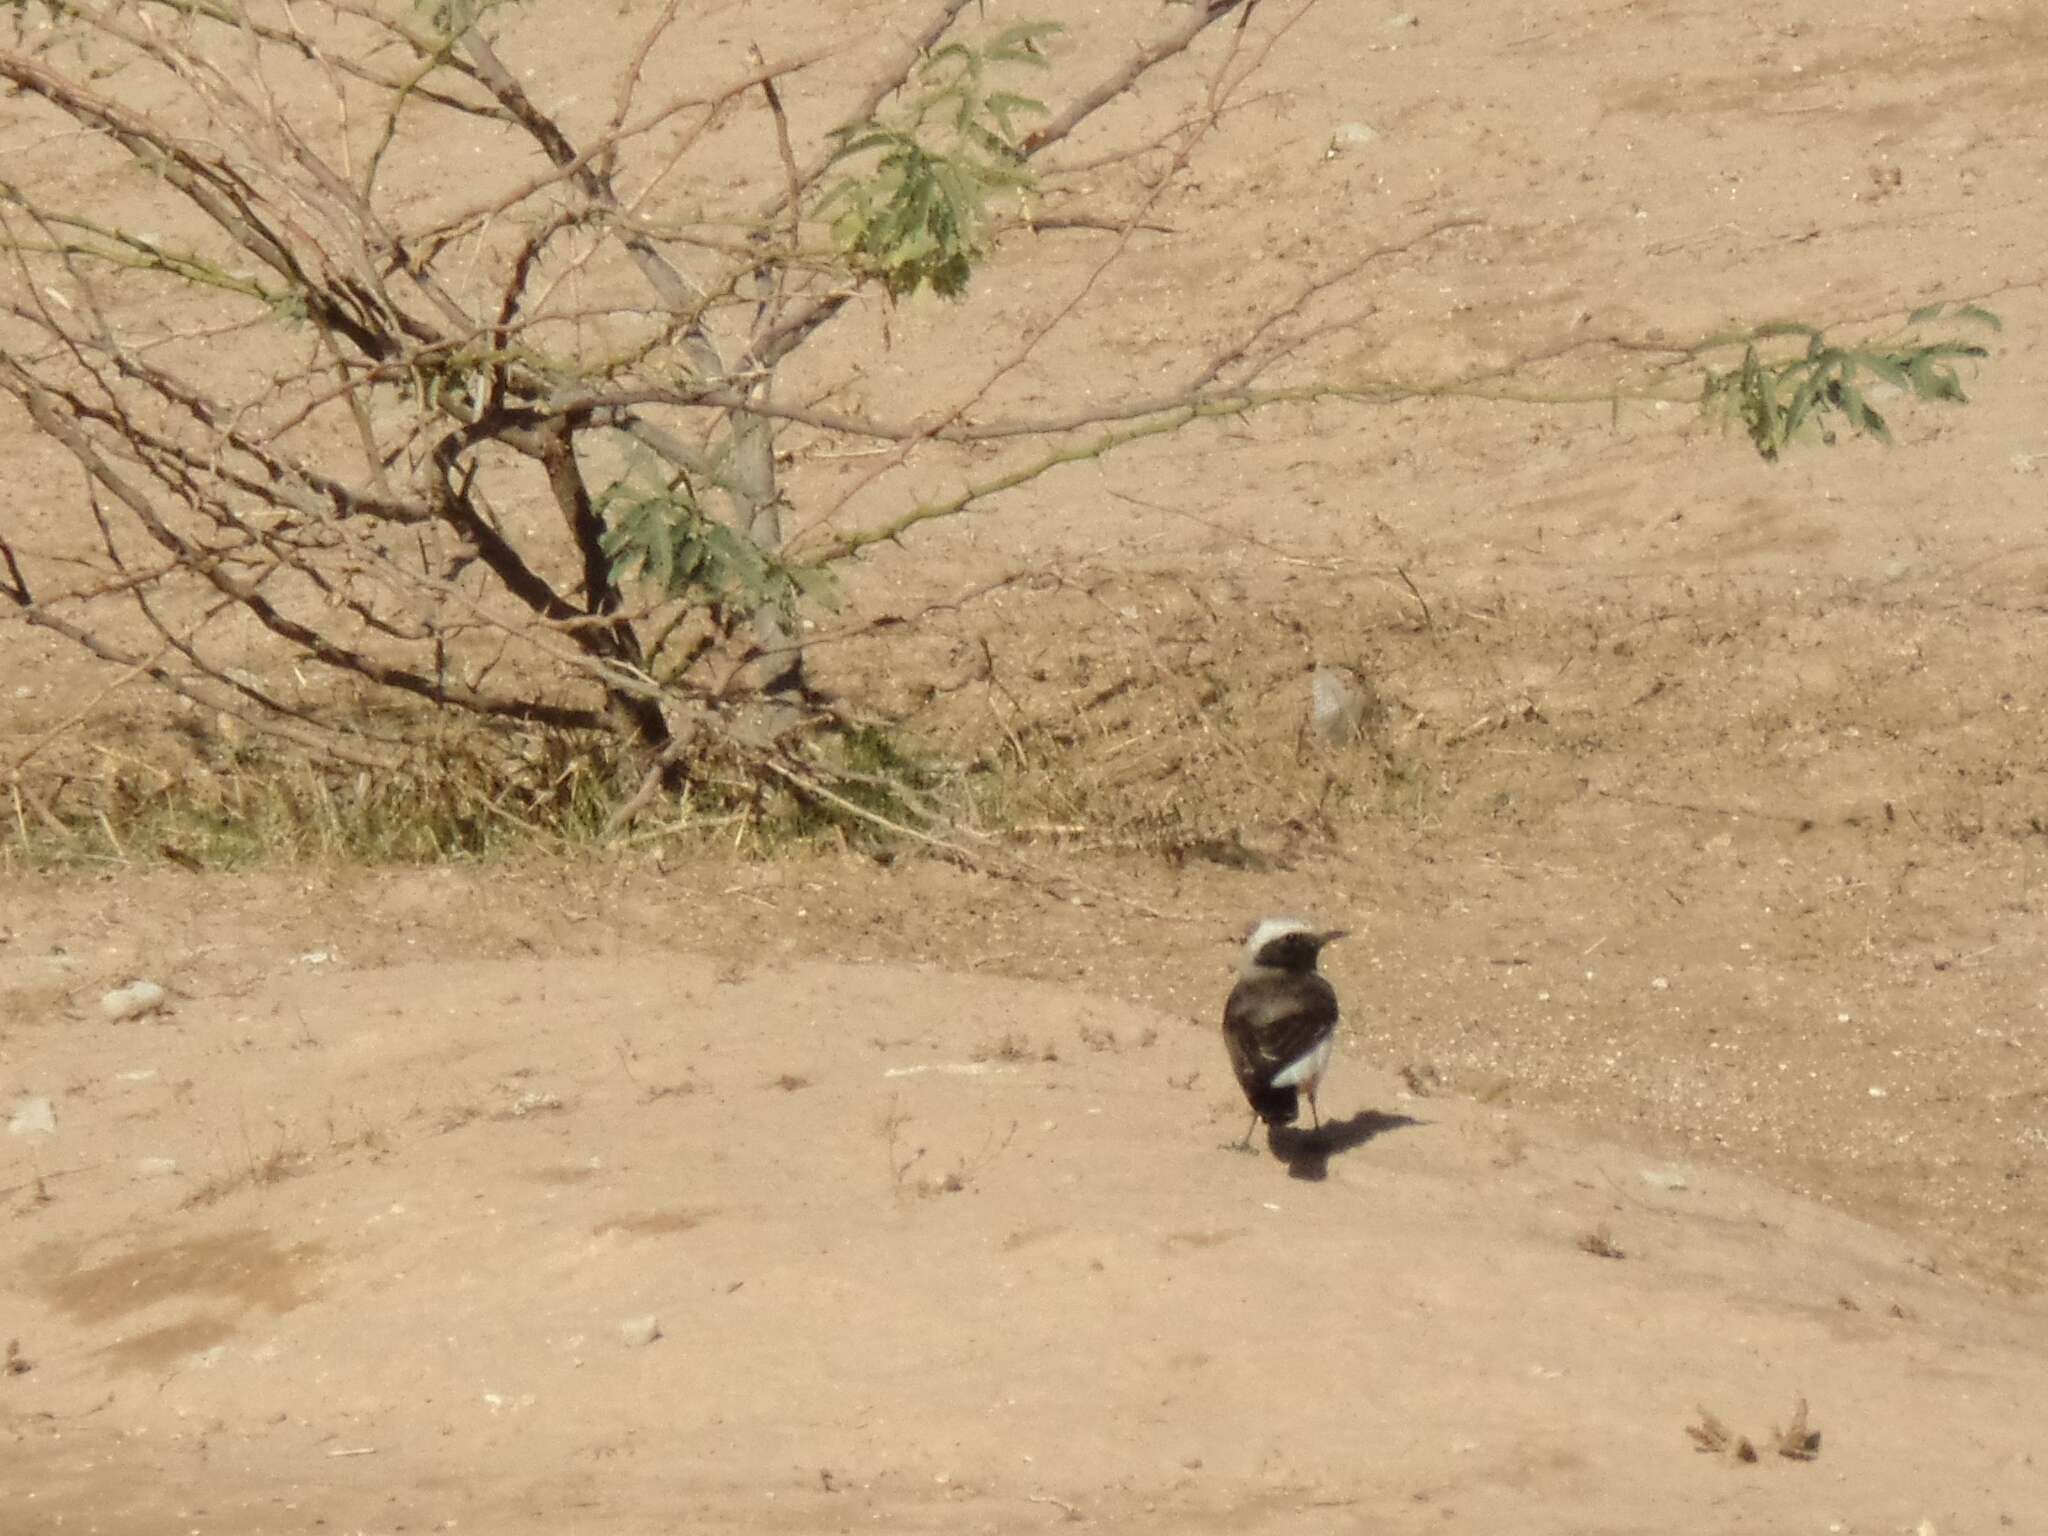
(778, 672)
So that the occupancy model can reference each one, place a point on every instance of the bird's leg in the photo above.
(1315, 1119)
(1245, 1145)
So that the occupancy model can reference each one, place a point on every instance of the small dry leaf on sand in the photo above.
(1798, 1440)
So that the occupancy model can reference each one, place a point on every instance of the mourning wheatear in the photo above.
(1281, 1021)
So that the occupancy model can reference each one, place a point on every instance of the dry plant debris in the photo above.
(1715, 1438)
(1600, 1243)
(1797, 1440)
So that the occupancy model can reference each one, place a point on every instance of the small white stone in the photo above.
(1340, 705)
(636, 1331)
(1877, 1093)
(133, 1000)
(1350, 136)
(33, 1117)
(156, 1167)
(1660, 984)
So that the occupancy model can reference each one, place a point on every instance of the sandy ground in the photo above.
(1706, 930)
(923, 1247)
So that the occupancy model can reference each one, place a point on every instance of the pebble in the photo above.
(1350, 136)
(133, 1000)
(156, 1167)
(1339, 705)
(636, 1331)
(33, 1117)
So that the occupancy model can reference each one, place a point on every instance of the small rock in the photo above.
(636, 1331)
(133, 1000)
(1402, 19)
(1350, 136)
(1662, 1178)
(1341, 706)
(156, 1167)
(33, 1117)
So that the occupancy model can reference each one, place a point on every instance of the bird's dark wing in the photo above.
(1271, 1022)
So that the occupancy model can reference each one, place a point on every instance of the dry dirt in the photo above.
(1700, 921)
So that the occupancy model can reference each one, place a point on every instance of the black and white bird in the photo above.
(1281, 1021)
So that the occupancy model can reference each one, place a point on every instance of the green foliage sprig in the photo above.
(916, 220)
(1775, 399)
(656, 532)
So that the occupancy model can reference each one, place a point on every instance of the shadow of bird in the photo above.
(1307, 1154)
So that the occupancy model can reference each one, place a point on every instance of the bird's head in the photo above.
(1286, 944)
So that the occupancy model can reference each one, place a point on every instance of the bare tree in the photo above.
(309, 403)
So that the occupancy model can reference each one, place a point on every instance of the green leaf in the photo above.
(1804, 399)
(1981, 316)
(1925, 313)
(1931, 381)
(1887, 367)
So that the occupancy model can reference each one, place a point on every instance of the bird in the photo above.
(1280, 1021)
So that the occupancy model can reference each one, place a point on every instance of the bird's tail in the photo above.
(1277, 1106)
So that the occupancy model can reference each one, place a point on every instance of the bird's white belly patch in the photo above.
(1305, 1069)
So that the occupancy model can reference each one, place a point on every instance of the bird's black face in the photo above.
(1295, 951)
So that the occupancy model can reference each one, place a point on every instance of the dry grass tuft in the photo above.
(282, 1162)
